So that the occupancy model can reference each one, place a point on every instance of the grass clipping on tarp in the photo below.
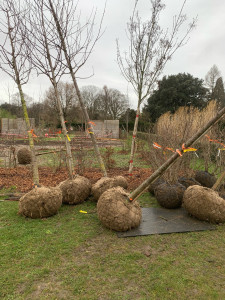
(106, 183)
(24, 156)
(75, 191)
(40, 202)
(204, 204)
(115, 211)
(169, 195)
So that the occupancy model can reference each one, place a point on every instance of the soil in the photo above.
(21, 176)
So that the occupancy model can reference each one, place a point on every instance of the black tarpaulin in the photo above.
(157, 220)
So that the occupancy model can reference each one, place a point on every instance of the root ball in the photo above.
(75, 191)
(170, 195)
(40, 202)
(205, 179)
(185, 181)
(155, 184)
(24, 156)
(106, 183)
(116, 212)
(204, 204)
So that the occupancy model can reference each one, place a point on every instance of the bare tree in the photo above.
(211, 78)
(90, 96)
(40, 36)
(150, 49)
(67, 98)
(76, 42)
(112, 103)
(14, 61)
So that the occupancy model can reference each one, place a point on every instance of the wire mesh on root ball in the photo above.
(188, 181)
(204, 204)
(205, 179)
(24, 156)
(115, 211)
(40, 202)
(155, 184)
(106, 183)
(75, 191)
(170, 195)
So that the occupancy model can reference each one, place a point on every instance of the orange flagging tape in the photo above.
(216, 141)
(178, 151)
(90, 122)
(155, 145)
(131, 199)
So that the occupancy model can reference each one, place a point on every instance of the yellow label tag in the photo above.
(68, 138)
(83, 212)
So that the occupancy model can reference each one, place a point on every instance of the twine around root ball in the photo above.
(204, 204)
(106, 183)
(115, 211)
(75, 191)
(170, 195)
(205, 179)
(24, 156)
(40, 202)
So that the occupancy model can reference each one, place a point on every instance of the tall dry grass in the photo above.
(172, 130)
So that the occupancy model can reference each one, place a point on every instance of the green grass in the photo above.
(71, 256)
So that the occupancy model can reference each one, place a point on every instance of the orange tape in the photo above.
(216, 141)
(92, 123)
(178, 151)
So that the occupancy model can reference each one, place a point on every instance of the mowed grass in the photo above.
(72, 256)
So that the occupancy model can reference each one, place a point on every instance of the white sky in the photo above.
(205, 47)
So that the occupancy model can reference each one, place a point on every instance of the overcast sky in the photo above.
(205, 47)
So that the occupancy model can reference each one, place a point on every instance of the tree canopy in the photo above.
(175, 91)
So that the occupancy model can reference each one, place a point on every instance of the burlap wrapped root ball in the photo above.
(106, 183)
(115, 211)
(75, 191)
(155, 184)
(188, 181)
(205, 179)
(40, 202)
(24, 156)
(204, 204)
(170, 195)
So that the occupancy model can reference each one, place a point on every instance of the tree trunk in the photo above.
(134, 140)
(30, 138)
(88, 121)
(139, 190)
(219, 181)
(69, 158)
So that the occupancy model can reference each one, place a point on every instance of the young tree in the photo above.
(47, 59)
(76, 42)
(150, 49)
(14, 61)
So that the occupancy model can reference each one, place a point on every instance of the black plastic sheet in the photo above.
(157, 220)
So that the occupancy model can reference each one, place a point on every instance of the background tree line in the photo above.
(172, 91)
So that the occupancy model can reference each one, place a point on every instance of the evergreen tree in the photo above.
(218, 93)
(175, 91)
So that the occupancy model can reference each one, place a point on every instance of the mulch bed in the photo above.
(21, 176)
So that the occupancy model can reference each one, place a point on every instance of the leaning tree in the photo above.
(150, 48)
(14, 61)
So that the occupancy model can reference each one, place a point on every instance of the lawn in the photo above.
(71, 256)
